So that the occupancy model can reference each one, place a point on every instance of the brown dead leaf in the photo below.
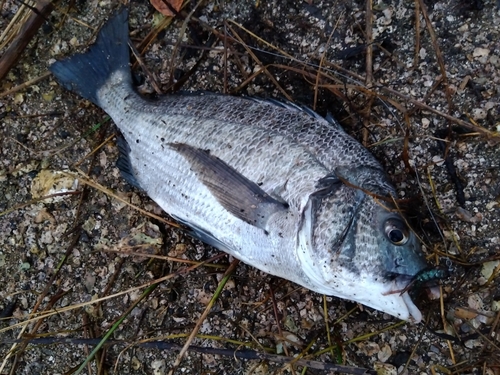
(162, 7)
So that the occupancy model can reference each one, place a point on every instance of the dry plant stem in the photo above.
(280, 331)
(437, 50)
(285, 54)
(405, 155)
(18, 19)
(225, 58)
(203, 316)
(327, 328)
(50, 283)
(440, 210)
(22, 86)
(162, 257)
(366, 121)
(182, 31)
(118, 268)
(369, 43)
(484, 337)
(115, 325)
(41, 316)
(96, 149)
(237, 61)
(478, 129)
(417, 34)
(42, 296)
(303, 354)
(243, 354)
(257, 61)
(323, 57)
(150, 76)
(420, 338)
(144, 45)
(87, 181)
(33, 201)
(13, 347)
(494, 136)
(87, 334)
(22, 39)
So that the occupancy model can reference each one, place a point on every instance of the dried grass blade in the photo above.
(27, 32)
(203, 316)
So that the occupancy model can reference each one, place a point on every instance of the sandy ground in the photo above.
(59, 252)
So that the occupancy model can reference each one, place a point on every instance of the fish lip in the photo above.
(413, 310)
(401, 282)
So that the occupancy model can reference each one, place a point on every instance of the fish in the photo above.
(269, 182)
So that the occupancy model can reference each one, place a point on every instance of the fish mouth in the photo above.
(402, 282)
(409, 287)
(412, 308)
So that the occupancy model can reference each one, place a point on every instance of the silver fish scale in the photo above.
(290, 171)
(328, 228)
(260, 141)
(328, 142)
(273, 184)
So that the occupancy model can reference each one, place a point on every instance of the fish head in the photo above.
(382, 247)
(384, 257)
(401, 257)
(400, 250)
(368, 254)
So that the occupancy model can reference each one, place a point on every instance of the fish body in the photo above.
(273, 184)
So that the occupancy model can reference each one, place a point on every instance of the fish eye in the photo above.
(396, 231)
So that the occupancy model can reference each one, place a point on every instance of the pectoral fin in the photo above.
(237, 194)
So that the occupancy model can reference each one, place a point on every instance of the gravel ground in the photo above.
(69, 249)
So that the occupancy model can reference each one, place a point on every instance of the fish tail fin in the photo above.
(85, 73)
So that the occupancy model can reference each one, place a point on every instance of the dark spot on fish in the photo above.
(162, 139)
(260, 183)
(163, 122)
(266, 232)
(137, 141)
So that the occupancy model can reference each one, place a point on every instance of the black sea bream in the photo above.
(270, 183)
